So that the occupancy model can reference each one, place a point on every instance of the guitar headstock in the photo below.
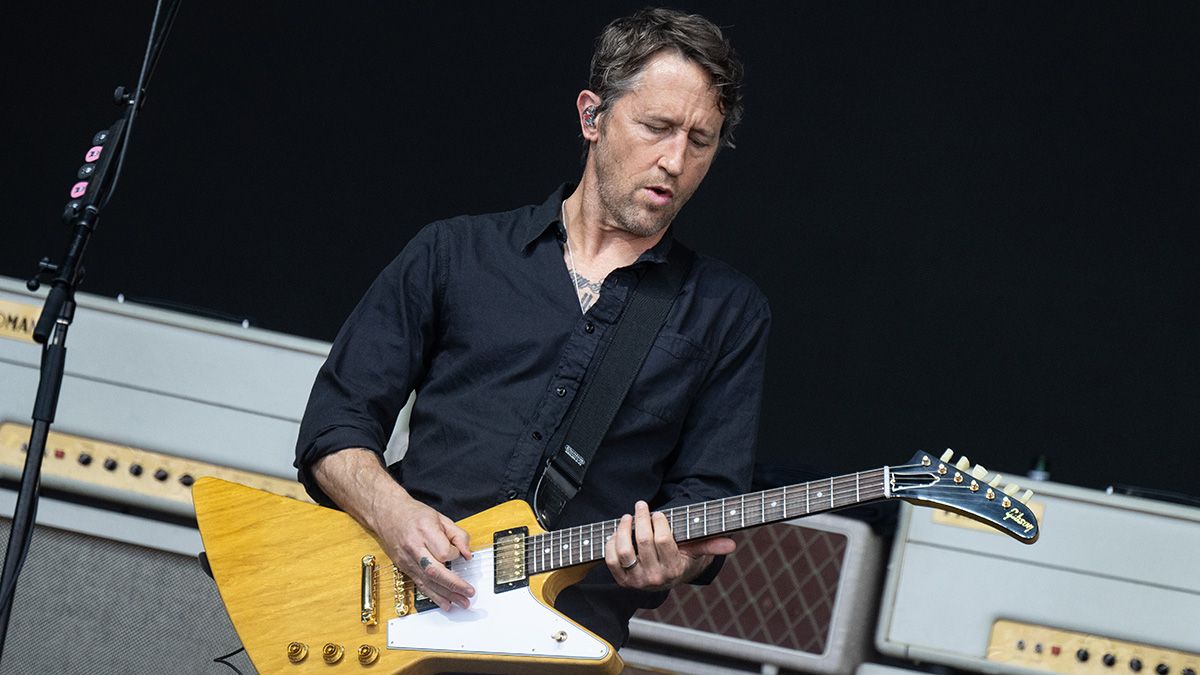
(968, 490)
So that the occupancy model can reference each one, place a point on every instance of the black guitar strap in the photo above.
(608, 381)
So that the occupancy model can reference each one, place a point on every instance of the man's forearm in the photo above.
(414, 536)
(357, 482)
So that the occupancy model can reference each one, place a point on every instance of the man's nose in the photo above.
(673, 154)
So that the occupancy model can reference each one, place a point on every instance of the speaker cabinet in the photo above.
(89, 604)
(798, 595)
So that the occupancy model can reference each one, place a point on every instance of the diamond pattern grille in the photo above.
(778, 588)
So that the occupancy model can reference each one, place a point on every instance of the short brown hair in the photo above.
(628, 43)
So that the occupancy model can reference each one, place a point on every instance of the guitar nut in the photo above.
(368, 654)
(332, 653)
(297, 652)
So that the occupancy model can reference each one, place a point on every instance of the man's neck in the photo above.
(597, 244)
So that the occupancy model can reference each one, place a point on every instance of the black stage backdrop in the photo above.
(975, 221)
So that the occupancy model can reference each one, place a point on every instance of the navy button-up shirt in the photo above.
(480, 317)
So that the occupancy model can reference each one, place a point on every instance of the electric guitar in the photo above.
(310, 591)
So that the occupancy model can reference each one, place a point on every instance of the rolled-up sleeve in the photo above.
(379, 356)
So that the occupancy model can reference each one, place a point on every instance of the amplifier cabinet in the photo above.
(798, 595)
(105, 592)
(1107, 567)
(166, 382)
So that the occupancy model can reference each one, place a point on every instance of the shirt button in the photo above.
(561, 391)
(537, 435)
(589, 327)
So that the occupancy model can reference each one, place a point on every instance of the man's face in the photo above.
(656, 144)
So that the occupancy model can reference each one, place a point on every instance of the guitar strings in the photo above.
(846, 489)
(575, 545)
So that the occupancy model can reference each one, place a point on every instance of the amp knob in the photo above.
(1135, 664)
(1162, 669)
(1082, 655)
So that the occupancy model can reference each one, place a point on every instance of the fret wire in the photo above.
(572, 539)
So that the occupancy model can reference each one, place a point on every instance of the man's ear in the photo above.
(586, 105)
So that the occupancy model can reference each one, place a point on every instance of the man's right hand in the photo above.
(417, 538)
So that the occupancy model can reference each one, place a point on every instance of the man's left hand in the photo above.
(657, 562)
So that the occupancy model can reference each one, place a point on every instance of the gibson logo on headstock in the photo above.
(1014, 514)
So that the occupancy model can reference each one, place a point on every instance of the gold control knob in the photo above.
(560, 636)
(368, 654)
(297, 651)
(332, 653)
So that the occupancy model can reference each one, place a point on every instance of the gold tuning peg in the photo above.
(995, 481)
(1024, 498)
(1011, 489)
(947, 455)
(963, 464)
(979, 472)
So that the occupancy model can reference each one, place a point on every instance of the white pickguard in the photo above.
(512, 623)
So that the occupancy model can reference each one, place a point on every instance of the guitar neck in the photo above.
(585, 543)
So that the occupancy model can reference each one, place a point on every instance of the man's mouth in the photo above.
(659, 194)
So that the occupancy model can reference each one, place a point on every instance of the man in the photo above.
(480, 317)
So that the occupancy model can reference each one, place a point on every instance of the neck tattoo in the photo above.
(587, 290)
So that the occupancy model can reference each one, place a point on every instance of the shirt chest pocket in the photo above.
(670, 377)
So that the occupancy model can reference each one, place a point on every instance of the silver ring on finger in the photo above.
(630, 565)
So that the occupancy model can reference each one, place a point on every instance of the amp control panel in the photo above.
(125, 475)
(1063, 651)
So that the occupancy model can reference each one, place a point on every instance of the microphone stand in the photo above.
(89, 195)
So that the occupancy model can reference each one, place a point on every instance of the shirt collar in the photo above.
(545, 215)
(549, 214)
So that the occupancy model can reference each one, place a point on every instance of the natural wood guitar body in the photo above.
(291, 572)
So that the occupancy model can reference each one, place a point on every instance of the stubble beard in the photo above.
(620, 202)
